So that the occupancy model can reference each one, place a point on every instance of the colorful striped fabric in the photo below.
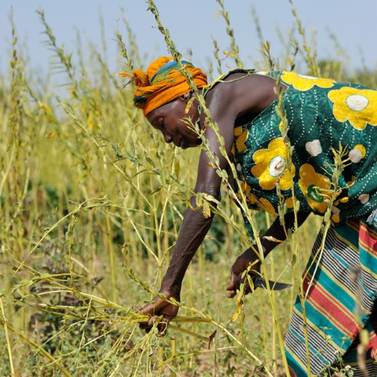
(335, 303)
(162, 82)
(326, 121)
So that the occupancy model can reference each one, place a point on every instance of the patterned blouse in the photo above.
(332, 158)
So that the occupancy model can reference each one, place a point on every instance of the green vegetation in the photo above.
(91, 202)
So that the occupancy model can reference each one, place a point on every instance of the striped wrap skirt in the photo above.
(333, 325)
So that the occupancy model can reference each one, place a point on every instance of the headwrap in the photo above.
(163, 82)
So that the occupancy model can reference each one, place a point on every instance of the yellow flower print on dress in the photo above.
(265, 204)
(289, 202)
(240, 137)
(315, 187)
(250, 197)
(271, 166)
(303, 83)
(358, 106)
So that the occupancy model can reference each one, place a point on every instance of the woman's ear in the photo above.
(186, 96)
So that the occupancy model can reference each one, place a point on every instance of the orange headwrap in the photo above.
(163, 82)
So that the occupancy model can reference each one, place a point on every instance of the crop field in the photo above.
(91, 203)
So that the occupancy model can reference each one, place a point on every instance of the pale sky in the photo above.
(193, 25)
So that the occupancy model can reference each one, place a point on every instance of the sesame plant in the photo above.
(91, 202)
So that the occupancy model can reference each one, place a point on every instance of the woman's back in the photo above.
(324, 119)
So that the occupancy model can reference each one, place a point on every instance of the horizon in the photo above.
(274, 18)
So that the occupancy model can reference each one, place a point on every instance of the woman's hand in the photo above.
(159, 307)
(246, 259)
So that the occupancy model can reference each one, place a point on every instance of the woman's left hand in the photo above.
(161, 310)
(239, 266)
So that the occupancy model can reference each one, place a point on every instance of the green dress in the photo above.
(325, 121)
(324, 118)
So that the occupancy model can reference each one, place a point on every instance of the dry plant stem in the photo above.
(213, 125)
(123, 51)
(64, 58)
(145, 341)
(82, 127)
(136, 317)
(83, 327)
(189, 332)
(9, 346)
(37, 347)
(337, 169)
(362, 350)
(110, 353)
(60, 151)
(234, 49)
(8, 168)
(111, 258)
(190, 354)
(132, 43)
(310, 57)
(209, 319)
(242, 346)
(284, 131)
(216, 54)
(79, 208)
(210, 122)
(258, 27)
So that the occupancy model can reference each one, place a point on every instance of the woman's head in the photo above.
(173, 120)
(163, 93)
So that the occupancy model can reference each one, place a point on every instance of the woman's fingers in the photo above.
(233, 285)
(231, 293)
(161, 324)
(149, 309)
(159, 313)
(146, 326)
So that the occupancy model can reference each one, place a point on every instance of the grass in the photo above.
(91, 202)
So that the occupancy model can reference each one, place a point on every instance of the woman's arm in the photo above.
(226, 102)
(192, 232)
(195, 225)
(250, 256)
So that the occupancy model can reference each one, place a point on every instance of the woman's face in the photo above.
(171, 120)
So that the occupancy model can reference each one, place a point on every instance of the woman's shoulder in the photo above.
(228, 78)
(233, 76)
(236, 81)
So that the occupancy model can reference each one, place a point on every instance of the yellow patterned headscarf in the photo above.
(163, 82)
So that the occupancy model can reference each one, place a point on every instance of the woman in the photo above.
(329, 124)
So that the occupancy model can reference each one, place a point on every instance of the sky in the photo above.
(193, 25)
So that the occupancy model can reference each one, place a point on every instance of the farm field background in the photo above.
(91, 202)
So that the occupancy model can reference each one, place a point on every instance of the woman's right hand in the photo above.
(241, 264)
(159, 307)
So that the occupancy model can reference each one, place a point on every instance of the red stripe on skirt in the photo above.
(367, 240)
(321, 299)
